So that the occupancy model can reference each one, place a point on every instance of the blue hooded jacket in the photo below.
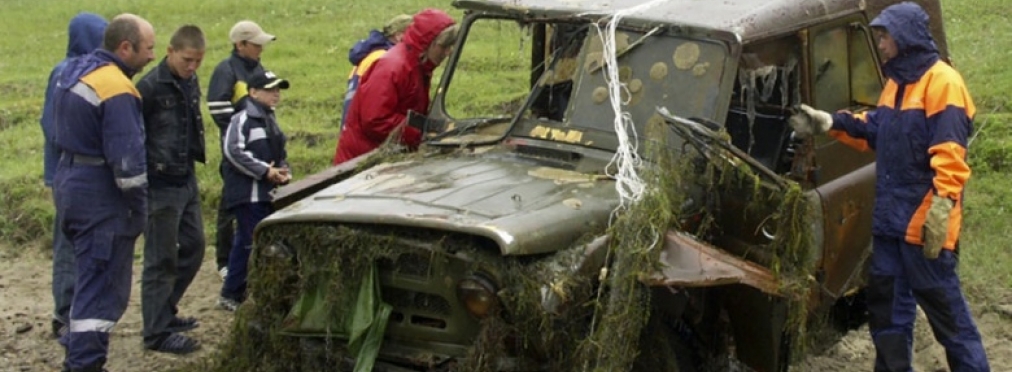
(907, 23)
(918, 130)
(362, 49)
(85, 32)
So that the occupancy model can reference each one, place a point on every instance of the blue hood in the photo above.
(363, 47)
(907, 23)
(85, 32)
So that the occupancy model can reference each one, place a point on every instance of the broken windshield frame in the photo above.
(687, 71)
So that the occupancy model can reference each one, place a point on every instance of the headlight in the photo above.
(277, 250)
(478, 295)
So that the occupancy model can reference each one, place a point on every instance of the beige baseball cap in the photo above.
(251, 32)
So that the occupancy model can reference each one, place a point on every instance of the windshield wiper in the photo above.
(704, 138)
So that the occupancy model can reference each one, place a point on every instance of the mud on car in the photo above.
(505, 244)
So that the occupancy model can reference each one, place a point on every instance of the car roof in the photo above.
(748, 19)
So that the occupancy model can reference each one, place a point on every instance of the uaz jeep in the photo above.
(509, 243)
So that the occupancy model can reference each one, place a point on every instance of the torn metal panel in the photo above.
(691, 263)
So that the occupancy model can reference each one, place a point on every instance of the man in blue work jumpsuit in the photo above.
(85, 31)
(101, 181)
(919, 133)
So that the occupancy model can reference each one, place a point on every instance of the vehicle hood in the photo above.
(524, 206)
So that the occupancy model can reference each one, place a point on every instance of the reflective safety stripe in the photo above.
(85, 92)
(220, 107)
(256, 134)
(91, 325)
(132, 182)
(221, 111)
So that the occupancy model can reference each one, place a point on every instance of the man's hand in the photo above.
(936, 226)
(810, 121)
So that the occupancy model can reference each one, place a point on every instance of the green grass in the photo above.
(313, 39)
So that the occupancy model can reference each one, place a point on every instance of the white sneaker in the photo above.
(223, 272)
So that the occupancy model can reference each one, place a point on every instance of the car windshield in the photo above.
(553, 86)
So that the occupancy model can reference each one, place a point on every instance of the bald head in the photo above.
(132, 39)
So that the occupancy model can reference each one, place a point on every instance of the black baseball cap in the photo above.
(266, 80)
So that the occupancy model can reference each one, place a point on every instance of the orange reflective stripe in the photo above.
(944, 88)
(915, 228)
(955, 224)
(859, 144)
(109, 81)
(368, 61)
(948, 159)
(888, 96)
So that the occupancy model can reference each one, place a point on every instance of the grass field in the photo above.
(313, 39)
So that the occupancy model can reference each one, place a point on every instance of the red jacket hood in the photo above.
(424, 28)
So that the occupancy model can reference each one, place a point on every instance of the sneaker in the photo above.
(178, 324)
(175, 343)
(227, 304)
(223, 272)
(59, 329)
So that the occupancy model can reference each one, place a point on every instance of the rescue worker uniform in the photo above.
(362, 55)
(253, 142)
(174, 236)
(226, 94)
(395, 84)
(919, 133)
(85, 32)
(101, 191)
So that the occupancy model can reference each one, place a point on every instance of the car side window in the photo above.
(844, 69)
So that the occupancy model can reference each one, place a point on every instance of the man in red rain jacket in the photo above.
(396, 83)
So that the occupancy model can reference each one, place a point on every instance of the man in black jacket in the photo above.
(225, 96)
(174, 236)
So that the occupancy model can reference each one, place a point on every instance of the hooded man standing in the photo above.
(101, 182)
(919, 133)
(367, 51)
(85, 32)
(397, 83)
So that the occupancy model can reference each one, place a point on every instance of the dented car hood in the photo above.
(524, 206)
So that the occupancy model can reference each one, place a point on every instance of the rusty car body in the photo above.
(524, 177)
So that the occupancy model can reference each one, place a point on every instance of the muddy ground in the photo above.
(26, 344)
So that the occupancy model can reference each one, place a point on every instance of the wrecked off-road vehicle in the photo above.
(534, 231)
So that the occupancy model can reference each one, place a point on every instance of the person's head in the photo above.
(432, 34)
(442, 46)
(186, 51)
(265, 88)
(394, 29)
(249, 39)
(887, 48)
(902, 29)
(85, 31)
(132, 39)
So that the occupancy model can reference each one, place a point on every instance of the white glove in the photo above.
(810, 121)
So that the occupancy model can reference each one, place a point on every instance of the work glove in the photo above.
(808, 121)
(936, 226)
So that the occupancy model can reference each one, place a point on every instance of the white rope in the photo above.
(628, 184)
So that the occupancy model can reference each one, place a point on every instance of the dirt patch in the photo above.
(26, 345)
(26, 304)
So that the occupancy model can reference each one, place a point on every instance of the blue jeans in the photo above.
(173, 252)
(900, 279)
(247, 217)
(63, 270)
